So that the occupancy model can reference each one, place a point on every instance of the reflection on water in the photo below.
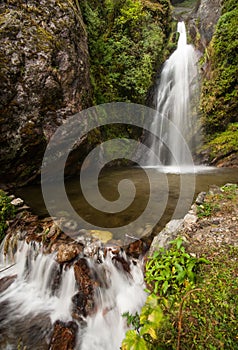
(108, 186)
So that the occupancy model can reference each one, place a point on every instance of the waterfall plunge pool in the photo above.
(164, 182)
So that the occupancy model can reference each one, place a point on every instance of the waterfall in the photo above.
(36, 291)
(177, 99)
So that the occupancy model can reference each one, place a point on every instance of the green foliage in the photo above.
(206, 209)
(219, 99)
(210, 315)
(146, 333)
(126, 44)
(7, 212)
(169, 276)
(173, 271)
(229, 5)
(224, 143)
(203, 317)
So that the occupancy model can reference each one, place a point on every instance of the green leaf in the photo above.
(133, 341)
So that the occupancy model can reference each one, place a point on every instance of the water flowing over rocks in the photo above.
(44, 78)
(53, 289)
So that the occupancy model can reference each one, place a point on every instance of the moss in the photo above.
(225, 143)
(219, 99)
(7, 212)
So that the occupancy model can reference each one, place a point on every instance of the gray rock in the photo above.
(169, 233)
(200, 198)
(17, 202)
(44, 78)
(208, 14)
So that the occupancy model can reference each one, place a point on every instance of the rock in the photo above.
(64, 336)
(103, 236)
(17, 202)
(169, 233)
(121, 263)
(207, 16)
(67, 252)
(5, 282)
(136, 248)
(190, 219)
(44, 78)
(87, 282)
(200, 198)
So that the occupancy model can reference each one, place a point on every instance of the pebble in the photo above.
(17, 202)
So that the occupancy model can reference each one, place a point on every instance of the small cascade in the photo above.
(177, 99)
(39, 285)
(36, 293)
(125, 292)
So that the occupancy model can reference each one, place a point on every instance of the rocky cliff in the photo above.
(44, 78)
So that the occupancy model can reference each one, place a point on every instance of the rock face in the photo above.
(44, 78)
(208, 14)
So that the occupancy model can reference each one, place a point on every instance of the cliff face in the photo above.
(44, 78)
(219, 102)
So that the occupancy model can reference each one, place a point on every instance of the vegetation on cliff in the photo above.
(219, 98)
(126, 44)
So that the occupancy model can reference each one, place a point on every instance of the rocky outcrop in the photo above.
(44, 78)
(207, 15)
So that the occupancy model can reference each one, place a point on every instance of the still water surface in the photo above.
(163, 188)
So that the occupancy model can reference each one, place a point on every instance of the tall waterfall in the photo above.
(177, 98)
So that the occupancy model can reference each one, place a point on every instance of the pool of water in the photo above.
(152, 196)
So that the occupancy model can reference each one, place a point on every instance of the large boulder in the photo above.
(44, 78)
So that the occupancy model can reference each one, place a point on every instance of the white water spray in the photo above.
(106, 329)
(176, 101)
(40, 292)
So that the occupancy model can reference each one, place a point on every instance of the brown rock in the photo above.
(64, 336)
(67, 252)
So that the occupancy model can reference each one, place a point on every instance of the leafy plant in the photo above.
(169, 272)
(7, 212)
(147, 325)
(170, 276)
(204, 209)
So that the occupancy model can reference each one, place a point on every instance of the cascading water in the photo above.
(177, 99)
(36, 291)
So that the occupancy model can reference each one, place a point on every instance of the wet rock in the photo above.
(86, 282)
(136, 248)
(64, 336)
(67, 252)
(121, 263)
(103, 236)
(5, 282)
